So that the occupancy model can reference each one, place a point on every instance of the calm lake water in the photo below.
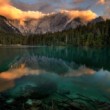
(71, 70)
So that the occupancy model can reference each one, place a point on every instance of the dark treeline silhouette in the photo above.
(91, 35)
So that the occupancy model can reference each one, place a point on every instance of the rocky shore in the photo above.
(53, 102)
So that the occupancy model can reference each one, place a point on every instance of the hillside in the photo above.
(51, 22)
(92, 35)
(6, 26)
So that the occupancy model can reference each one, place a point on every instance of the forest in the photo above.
(90, 35)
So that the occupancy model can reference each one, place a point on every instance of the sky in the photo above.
(35, 9)
(46, 6)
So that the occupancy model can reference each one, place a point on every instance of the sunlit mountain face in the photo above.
(29, 17)
(23, 10)
(52, 22)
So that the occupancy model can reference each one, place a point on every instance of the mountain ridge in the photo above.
(6, 26)
(53, 23)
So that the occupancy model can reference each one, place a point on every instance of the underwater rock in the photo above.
(33, 86)
(10, 101)
(29, 102)
(64, 92)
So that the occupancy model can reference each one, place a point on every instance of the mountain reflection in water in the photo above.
(55, 69)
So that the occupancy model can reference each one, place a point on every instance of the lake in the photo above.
(53, 72)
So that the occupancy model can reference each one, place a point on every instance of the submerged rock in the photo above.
(33, 87)
(29, 102)
(64, 92)
(10, 101)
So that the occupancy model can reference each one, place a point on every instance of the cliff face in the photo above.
(6, 26)
(50, 23)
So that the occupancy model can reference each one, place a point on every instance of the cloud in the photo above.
(86, 15)
(77, 1)
(47, 6)
(4, 2)
(101, 1)
(8, 10)
(40, 6)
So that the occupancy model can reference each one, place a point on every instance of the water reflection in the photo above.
(6, 84)
(76, 70)
(95, 58)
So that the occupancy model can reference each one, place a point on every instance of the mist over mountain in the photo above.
(54, 22)
(32, 18)
(75, 31)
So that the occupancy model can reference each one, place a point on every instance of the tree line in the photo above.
(91, 35)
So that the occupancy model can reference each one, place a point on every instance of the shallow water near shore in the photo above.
(46, 71)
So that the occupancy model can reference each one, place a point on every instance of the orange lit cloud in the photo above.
(86, 15)
(7, 10)
(4, 2)
(11, 12)
(101, 1)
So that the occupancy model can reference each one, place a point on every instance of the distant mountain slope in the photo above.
(96, 20)
(52, 23)
(55, 22)
(94, 35)
(5, 26)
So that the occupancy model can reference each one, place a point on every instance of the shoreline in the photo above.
(19, 46)
(33, 46)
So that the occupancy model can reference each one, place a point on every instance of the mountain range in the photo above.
(52, 23)
(6, 26)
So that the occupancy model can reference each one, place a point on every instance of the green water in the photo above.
(84, 71)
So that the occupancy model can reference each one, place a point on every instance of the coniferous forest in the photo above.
(91, 35)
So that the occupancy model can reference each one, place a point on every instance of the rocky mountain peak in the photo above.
(51, 23)
(96, 20)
